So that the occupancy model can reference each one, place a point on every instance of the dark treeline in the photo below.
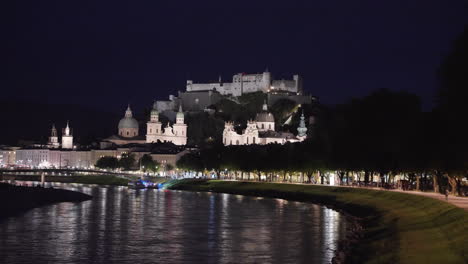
(383, 135)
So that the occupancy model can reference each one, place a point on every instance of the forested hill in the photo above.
(22, 120)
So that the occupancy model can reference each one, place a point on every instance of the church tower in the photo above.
(302, 129)
(153, 126)
(67, 138)
(53, 139)
(180, 129)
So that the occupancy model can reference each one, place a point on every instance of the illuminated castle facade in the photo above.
(249, 83)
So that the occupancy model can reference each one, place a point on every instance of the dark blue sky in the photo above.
(105, 54)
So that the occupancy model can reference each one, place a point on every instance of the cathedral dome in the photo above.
(265, 117)
(128, 122)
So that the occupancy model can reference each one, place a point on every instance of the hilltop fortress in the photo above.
(249, 83)
(198, 96)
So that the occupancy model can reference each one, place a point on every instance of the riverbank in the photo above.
(17, 199)
(398, 227)
(84, 179)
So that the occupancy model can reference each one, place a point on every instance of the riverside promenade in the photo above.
(461, 202)
(458, 201)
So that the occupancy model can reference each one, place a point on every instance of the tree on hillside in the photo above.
(107, 163)
(282, 109)
(198, 134)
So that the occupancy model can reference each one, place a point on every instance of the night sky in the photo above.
(105, 54)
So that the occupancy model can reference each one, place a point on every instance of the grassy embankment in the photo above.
(17, 199)
(398, 227)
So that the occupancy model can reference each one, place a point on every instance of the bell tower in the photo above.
(67, 137)
(153, 126)
(180, 129)
(53, 139)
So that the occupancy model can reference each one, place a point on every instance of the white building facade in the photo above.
(47, 158)
(261, 131)
(7, 156)
(177, 133)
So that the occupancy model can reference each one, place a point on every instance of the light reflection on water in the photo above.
(147, 226)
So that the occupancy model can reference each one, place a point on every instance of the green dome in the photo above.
(180, 115)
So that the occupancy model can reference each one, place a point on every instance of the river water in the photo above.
(121, 225)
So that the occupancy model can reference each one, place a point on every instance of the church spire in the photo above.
(265, 106)
(67, 137)
(128, 112)
(154, 116)
(53, 131)
(180, 116)
(67, 129)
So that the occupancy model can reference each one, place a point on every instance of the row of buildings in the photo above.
(86, 159)
(63, 153)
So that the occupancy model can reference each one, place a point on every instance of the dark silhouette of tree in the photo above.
(148, 164)
(107, 163)
(451, 113)
(190, 162)
(127, 161)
